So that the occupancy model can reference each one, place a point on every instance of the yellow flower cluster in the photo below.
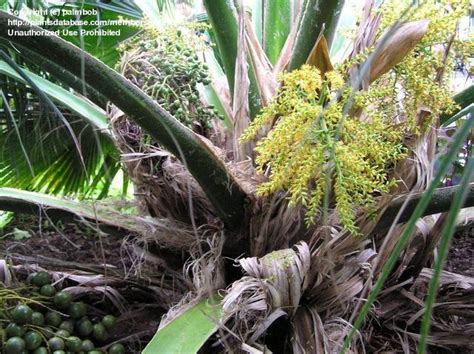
(417, 76)
(311, 141)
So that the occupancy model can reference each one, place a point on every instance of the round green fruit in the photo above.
(41, 350)
(47, 290)
(62, 333)
(56, 343)
(109, 321)
(117, 349)
(99, 332)
(41, 278)
(22, 314)
(14, 345)
(62, 299)
(47, 332)
(77, 309)
(53, 318)
(32, 340)
(14, 330)
(84, 328)
(73, 344)
(59, 352)
(94, 352)
(87, 345)
(67, 326)
(37, 319)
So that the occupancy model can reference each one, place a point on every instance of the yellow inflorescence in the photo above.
(418, 75)
(318, 135)
(308, 142)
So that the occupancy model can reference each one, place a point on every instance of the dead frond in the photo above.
(272, 288)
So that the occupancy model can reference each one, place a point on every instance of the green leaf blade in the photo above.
(224, 25)
(316, 15)
(277, 26)
(188, 332)
(93, 114)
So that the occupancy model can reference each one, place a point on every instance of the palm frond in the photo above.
(102, 47)
(36, 148)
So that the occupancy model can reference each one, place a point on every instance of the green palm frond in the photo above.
(37, 151)
(42, 156)
(102, 47)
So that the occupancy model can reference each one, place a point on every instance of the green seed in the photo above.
(41, 350)
(99, 332)
(53, 319)
(84, 328)
(67, 325)
(14, 330)
(77, 310)
(117, 349)
(73, 344)
(47, 290)
(14, 345)
(109, 321)
(22, 314)
(48, 332)
(62, 299)
(87, 345)
(56, 343)
(32, 340)
(37, 319)
(41, 278)
(62, 333)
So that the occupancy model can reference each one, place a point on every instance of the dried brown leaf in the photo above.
(240, 109)
(308, 332)
(5, 276)
(266, 80)
(319, 55)
(395, 48)
(369, 25)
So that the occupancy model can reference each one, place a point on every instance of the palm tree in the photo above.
(306, 278)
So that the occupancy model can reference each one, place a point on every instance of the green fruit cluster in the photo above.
(166, 67)
(53, 323)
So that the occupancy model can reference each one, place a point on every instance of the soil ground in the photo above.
(71, 244)
(461, 253)
(70, 248)
(68, 244)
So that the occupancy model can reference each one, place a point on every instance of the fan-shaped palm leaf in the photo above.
(36, 148)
